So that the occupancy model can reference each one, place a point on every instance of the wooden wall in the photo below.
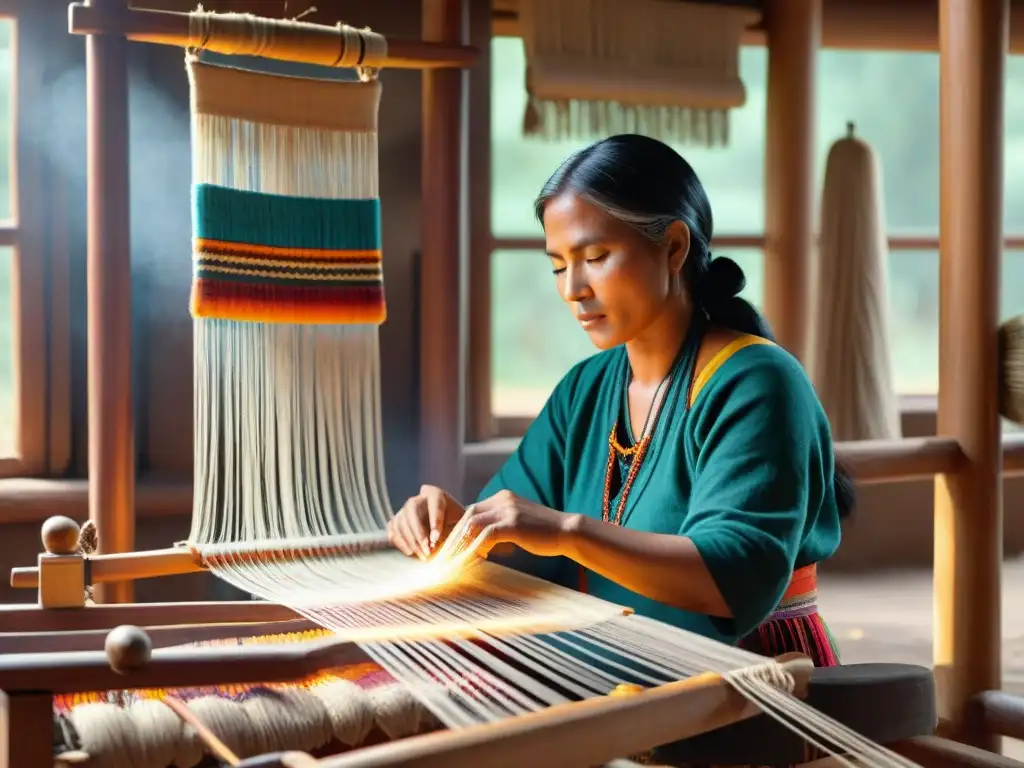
(893, 526)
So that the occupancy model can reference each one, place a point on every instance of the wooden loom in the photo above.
(966, 456)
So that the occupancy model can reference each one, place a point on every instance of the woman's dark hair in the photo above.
(648, 185)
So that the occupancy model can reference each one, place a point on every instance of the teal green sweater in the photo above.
(746, 472)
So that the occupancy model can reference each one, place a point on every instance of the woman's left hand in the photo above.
(505, 518)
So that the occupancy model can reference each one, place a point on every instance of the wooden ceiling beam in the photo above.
(846, 24)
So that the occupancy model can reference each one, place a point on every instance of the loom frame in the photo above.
(967, 457)
(637, 721)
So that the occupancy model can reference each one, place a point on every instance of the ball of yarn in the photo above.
(349, 710)
(397, 712)
(148, 734)
(188, 750)
(229, 720)
(159, 730)
(287, 719)
(109, 735)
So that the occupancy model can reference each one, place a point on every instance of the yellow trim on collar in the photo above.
(719, 359)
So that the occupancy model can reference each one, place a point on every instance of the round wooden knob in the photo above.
(60, 535)
(128, 648)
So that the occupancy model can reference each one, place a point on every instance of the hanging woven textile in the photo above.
(666, 69)
(287, 297)
(850, 358)
(290, 499)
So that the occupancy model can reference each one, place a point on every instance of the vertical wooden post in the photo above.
(793, 30)
(443, 182)
(26, 730)
(109, 314)
(479, 419)
(968, 503)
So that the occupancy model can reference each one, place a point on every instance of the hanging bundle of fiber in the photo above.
(850, 359)
(666, 69)
(287, 297)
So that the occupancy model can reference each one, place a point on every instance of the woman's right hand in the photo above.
(423, 522)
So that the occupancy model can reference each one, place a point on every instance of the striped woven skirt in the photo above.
(796, 626)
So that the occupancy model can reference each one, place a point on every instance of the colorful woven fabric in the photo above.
(274, 258)
(796, 626)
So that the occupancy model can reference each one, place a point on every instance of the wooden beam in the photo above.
(793, 30)
(584, 733)
(895, 242)
(26, 730)
(861, 25)
(443, 183)
(1001, 713)
(305, 43)
(479, 420)
(109, 313)
(968, 502)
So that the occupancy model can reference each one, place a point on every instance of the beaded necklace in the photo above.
(635, 453)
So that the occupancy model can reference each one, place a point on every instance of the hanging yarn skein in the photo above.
(850, 360)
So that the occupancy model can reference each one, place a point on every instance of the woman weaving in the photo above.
(687, 470)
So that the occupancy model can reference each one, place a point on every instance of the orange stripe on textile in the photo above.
(206, 245)
(364, 674)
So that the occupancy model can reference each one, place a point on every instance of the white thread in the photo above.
(288, 455)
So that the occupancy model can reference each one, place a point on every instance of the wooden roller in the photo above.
(581, 734)
(593, 732)
(300, 42)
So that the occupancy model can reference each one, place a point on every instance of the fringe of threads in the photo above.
(591, 120)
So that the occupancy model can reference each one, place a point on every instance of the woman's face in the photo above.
(615, 280)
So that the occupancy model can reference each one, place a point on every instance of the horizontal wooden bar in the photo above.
(123, 566)
(895, 242)
(148, 564)
(85, 671)
(162, 637)
(1002, 713)
(33, 500)
(886, 461)
(577, 735)
(937, 752)
(537, 243)
(32, 618)
(866, 25)
(291, 41)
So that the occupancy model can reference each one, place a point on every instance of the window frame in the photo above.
(482, 423)
(501, 427)
(36, 233)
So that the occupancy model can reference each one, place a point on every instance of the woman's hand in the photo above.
(508, 519)
(424, 521)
